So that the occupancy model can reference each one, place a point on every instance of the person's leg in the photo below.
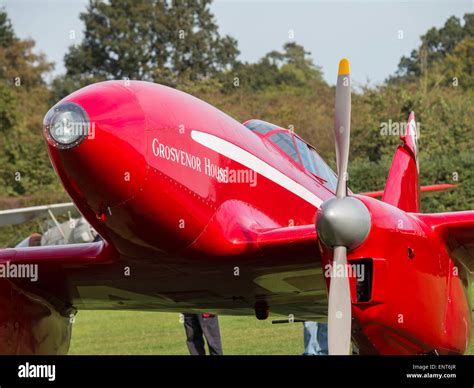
(210, 328)
(315, 339)
(194, 339)
(310, 330)
(322, 339)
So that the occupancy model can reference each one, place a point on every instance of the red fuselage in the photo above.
(181, 191)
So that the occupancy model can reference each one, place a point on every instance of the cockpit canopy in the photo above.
(295, 149)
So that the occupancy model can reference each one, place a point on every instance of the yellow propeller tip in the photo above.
(344, 66)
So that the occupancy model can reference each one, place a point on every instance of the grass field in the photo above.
(129, 332)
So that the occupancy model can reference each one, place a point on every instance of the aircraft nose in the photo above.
(343, 222)
(96, 141)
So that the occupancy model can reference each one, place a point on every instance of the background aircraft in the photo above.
(166, 180)
(75, 230)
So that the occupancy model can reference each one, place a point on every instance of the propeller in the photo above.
(343, 223)
(342, 125)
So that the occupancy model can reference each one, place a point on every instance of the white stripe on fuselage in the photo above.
(245, 158)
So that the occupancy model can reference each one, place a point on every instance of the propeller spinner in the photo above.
(343, 222)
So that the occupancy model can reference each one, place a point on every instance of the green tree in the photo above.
(7, 34)
(194, 44)
(290, 67)
(436, 44)
(122, 38)
(152, 40)
(24, 163)
(460, 63)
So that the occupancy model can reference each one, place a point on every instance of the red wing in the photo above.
(457, 230)
(59, 254)
(290, 237)
(36, 301)
(423, 189)
(287, 239)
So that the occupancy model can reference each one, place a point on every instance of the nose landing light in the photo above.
(66, 125)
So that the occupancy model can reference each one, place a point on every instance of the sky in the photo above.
(374, 35)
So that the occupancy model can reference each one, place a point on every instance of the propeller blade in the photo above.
(342, 125)
(340, 307)
(342, 222)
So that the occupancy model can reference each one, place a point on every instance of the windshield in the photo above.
(285, 142)
(315, 164)
(260, 126)
(300, 153)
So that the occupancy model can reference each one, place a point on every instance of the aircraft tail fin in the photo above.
(402, 188)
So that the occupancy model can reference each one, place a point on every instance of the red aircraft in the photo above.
(198, 212)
